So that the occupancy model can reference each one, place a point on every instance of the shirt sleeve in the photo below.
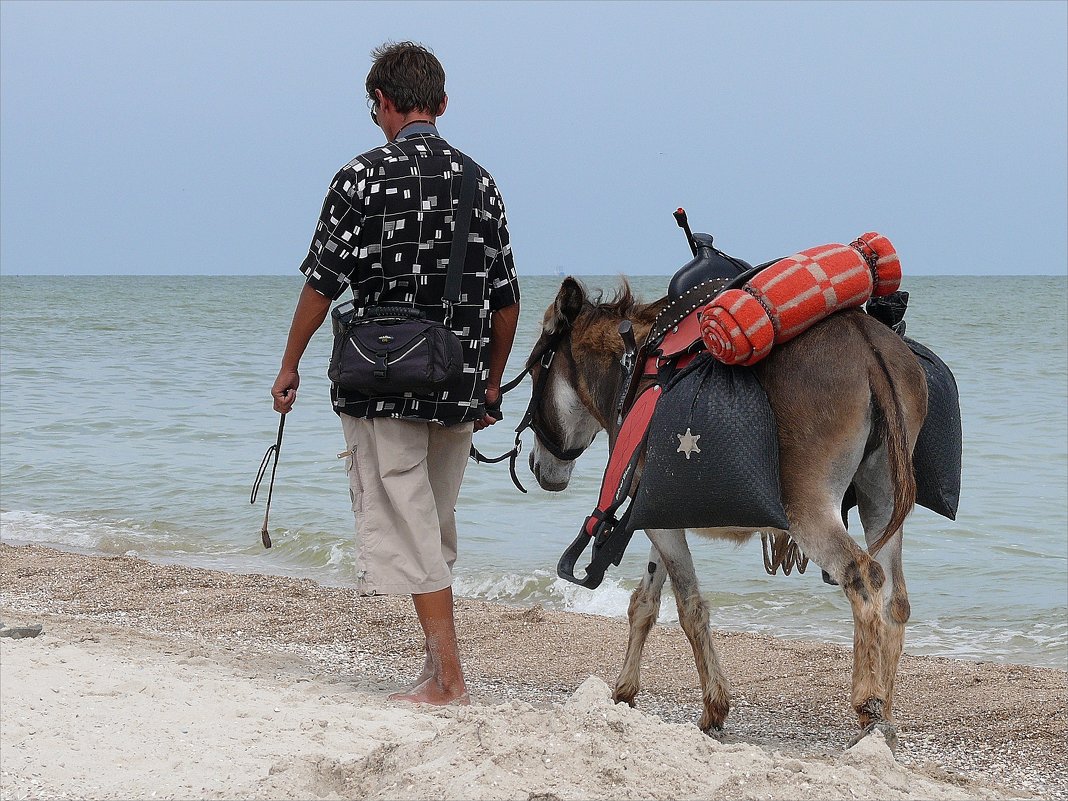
(503, 280)
(331, 259)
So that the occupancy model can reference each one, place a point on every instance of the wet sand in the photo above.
(174, 682)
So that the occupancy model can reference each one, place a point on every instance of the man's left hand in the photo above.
(493, 409)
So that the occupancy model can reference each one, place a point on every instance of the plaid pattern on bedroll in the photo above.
(741, 325)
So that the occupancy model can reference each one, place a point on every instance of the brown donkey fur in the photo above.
(849, 399)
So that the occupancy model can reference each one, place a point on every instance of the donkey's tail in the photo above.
(889, 423)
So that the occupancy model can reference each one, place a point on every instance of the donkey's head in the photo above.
(575, 367)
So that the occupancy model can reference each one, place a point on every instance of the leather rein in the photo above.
(542, 357)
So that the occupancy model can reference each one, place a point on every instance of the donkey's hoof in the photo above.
(714, 715)
(712, 726)
(884, 727)
(715, 732)
(625, 695)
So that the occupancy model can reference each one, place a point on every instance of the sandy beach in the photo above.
(162, 681)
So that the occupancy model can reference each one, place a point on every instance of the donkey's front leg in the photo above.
(693, 617)
(642, 614)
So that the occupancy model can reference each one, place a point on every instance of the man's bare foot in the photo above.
(432, 692)
(425, 674)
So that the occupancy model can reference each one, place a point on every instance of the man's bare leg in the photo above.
(445, 685)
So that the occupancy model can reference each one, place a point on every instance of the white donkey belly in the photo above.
(735, 534)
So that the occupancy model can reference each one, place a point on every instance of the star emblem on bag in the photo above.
(688, 443)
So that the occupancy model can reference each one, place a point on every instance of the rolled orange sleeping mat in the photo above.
(741, 325)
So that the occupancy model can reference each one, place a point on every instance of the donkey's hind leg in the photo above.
(875, 503)
(642, 613)
(823, 537)
(693, 617)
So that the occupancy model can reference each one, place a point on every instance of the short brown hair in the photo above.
(409, 75)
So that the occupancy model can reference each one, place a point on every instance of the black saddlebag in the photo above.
(712, 455)
(937, 458)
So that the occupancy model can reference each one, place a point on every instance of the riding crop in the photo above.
(275, 449)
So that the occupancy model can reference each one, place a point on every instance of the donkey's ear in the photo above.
(566, 307)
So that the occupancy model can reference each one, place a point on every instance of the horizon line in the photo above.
(536, 274)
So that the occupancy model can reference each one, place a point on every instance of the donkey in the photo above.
(849, 399)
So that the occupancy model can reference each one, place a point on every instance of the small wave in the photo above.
(611, 599)
(109, 536)
(1037, 644)
(91, 534)
(299, 553)
(507, 588)
(313, 550)
(23, 528)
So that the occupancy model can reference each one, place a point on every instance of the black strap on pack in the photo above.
(461, 229)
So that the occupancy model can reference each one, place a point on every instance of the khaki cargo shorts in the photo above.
(404, 478)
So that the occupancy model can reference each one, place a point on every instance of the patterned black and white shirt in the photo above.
(386, 230)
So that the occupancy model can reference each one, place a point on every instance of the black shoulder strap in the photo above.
(460, 231)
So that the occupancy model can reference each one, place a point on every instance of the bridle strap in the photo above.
(515, 382)
(543, 357)
(529, 417)
(517, 446)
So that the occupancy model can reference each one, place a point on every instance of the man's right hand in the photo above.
(284, 390)
(309, 315)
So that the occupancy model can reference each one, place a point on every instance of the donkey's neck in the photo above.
(598, 355)
(600, 382)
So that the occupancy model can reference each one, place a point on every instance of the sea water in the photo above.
(135, 410)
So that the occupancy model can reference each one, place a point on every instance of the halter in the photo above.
(530, 419)
(543, 358)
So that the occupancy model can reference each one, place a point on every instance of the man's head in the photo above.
(406, 79)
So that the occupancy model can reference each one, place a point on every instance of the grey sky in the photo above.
(200, 137)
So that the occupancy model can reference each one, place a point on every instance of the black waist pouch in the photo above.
(393, 351)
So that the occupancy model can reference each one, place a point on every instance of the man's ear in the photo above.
(383, 100)
(566, 307)
(443, 106)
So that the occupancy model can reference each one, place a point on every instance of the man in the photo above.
(385, 231)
